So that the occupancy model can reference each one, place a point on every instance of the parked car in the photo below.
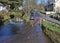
(32, 16)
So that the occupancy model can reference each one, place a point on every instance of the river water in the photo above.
(9, 29)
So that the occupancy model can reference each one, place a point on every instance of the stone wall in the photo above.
(53, 35)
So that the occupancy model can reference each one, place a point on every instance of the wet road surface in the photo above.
(34, 35)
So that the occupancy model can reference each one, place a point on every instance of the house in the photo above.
(57, 6)
(2, 7)
(53, 6)
(50, 5)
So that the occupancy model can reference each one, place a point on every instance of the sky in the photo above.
(39, 1)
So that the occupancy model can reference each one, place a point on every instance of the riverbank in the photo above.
(52, 31)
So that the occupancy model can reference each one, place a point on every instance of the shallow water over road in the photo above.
(9, 33)
(35, 35)
(8, 30)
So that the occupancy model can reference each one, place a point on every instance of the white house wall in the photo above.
(57, 6)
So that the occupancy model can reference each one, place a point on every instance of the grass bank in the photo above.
(51, 26)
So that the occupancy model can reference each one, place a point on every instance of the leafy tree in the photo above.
(12, 3)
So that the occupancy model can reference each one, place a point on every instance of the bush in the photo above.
(56, 17)
(23, 13)
(11, 16)
(51, 16)
(59, 18)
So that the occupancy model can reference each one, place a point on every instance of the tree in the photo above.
(12, 3)
(41, 7)
(28, 5)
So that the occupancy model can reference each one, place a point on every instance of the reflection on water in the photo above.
(7, 30)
